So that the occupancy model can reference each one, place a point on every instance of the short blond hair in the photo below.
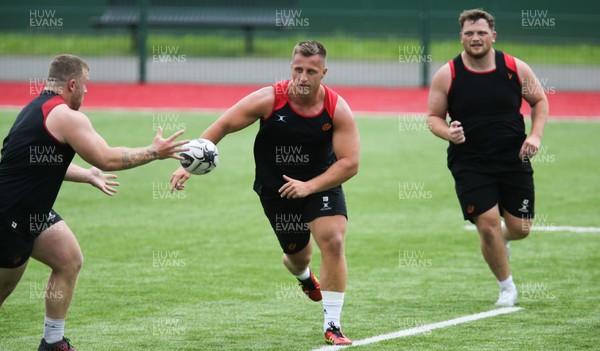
(65, 67)
(475, 15)
(309, 48)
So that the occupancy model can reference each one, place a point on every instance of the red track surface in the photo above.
(219, 97)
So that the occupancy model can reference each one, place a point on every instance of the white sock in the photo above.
(54, 330)
(507, 283)
(332, 308)
(304, 275)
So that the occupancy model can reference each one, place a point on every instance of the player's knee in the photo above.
(71, 266)
(489, 231)
(333, 244)
(525, 230)
(77, 263)
(520, 231)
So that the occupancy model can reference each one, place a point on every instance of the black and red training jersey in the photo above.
(488, 106)
(33, 165)
(293, 144)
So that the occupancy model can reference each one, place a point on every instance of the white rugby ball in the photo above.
(201, 158)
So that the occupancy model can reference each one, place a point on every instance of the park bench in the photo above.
(246, 15)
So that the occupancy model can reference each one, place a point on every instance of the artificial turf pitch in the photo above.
(201, 269)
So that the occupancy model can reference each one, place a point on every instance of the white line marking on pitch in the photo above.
(554, 228)
(425, 328)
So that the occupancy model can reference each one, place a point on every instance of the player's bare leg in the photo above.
(329, 233)
(492, 246)
(58, 248)
(298, 262)
(516, 228)
(494, 252)
(9, 278)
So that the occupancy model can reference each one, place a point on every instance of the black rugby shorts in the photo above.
(16, 244)
(289, 218)
(481, 185)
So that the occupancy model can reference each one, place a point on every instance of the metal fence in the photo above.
(380, 46)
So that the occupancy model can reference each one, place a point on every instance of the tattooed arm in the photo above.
(75, 129)
(136, 157)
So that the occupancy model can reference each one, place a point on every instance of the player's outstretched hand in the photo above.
(294, 189)
(168, 148)
(102, 181)
(457, 134)
(178, 178)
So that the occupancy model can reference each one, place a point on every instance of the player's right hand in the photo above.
(178, 178)
(168, 148)
(457, 135)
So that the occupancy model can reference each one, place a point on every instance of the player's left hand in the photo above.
(530, 147)
(178, 178)
(101, 181)
(294, 189)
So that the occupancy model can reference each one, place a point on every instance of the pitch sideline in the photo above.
(425, 328)
(553, 228)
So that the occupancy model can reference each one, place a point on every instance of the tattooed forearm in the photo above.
(137, 157)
